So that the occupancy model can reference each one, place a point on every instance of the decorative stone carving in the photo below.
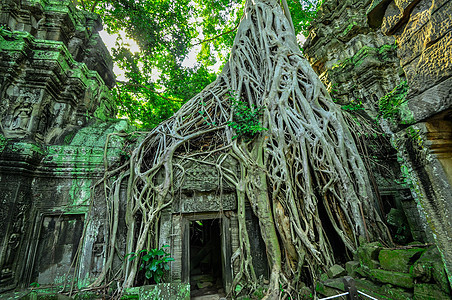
(52, 151)
(423, 31)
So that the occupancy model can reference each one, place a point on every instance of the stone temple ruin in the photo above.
(57, 116)
(55, 77)
(199, 213)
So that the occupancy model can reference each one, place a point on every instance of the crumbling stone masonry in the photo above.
(393, 59)
(55, 75)
(423, 136)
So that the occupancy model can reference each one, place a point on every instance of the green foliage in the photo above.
(349, 28)
(389, 104)
(303, 12)
(246, 119)
(68, 138)
(353, 106)
(141, 100)
(387, 51)
(156, 83)
(384, 53)
(154, 262)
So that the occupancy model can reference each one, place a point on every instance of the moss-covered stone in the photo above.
(3, 142)
(429, 267)
(336, 271)
(329, 289)
(383, 291)
(394, 278)
(390, 103)
(399, 260)
(161, 291)
(351, 267)
(427, 291)
(368, 254)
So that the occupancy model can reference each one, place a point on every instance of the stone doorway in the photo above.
(206, 271)
(215, 239)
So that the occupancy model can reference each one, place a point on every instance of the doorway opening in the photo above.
(205, 257)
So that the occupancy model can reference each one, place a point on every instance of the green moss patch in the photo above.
(399, 260)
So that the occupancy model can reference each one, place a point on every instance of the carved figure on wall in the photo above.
(45, 118)
(21, 117)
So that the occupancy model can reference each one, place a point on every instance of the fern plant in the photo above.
(154, 262)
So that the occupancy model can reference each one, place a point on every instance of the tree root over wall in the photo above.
(305, 159)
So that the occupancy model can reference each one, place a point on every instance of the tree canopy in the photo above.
(156, 82)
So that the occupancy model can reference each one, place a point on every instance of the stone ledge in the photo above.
(429, 103)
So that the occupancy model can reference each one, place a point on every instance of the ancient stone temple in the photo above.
(386, 61)
(201, 227)
(57, 137)
(55, 75)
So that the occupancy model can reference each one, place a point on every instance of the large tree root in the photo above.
(306, 159)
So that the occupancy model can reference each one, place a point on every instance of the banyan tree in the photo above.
(299, 168)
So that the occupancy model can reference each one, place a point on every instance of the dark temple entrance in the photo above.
(205, 257)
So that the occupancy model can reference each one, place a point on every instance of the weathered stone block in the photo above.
(336, 283)
(163, 291)
(395, 14)
(399, 260)
(330, 287)
(426, 291)
(429, 267)
(336, 271)
(382, 292)
(428, 103)
(441, 23)
(368, 254)
(351, 267)
(324, 276)
(434, 65)
(394, 278)
(411, 41)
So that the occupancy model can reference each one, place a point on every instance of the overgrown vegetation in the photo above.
(390, 103)
(303, 176)
(157, 83)
(3, 143)
(385, 53)
(354, 105)
(246, 120)
(154, 262)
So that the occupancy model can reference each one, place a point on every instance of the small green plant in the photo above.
(238, 289)
(246, 119)
(353, 106)
(154, 262)
(389, 104)
(34, 285)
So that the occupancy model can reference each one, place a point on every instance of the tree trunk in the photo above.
(301, 175)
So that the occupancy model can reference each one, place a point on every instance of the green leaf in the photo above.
(148, 274)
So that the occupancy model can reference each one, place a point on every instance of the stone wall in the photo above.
(411, 272)
(423, 30)
(391, 61)
(55, 75)
(359, 65)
